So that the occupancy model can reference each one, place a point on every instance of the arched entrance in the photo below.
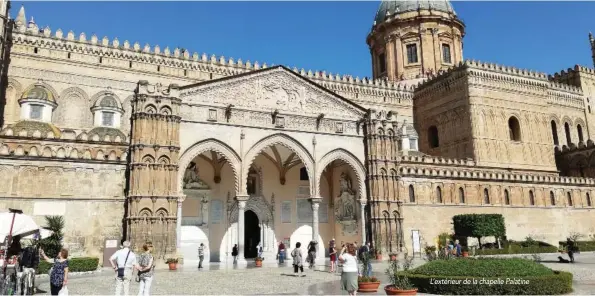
(252, 234)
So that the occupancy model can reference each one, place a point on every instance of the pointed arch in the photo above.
(350, 160)
(277, 139)
(232, 158)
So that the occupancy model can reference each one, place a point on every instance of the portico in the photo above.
(288, 168)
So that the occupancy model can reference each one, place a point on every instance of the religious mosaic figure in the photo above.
(345, 209)
(204, 210)
(191, 179)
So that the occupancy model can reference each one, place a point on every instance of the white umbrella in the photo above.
(43, 233)
(23, 225)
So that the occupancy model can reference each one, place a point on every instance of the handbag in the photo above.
(121, 269)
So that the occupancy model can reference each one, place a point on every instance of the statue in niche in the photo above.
(191, 179)
(345, 207)
(204, 209)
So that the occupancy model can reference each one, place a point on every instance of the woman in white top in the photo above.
(349, 274)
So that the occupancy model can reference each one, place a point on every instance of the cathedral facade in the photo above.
(131, 141)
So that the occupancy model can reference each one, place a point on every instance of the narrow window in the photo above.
(569, 198)
(433, 137)
(107, 118)
(552, 198)
(211, 76)
(130, 64)
(36, 111)
(412, 53)
(567, 130)
(555, 132)
(69, 55)
(446, 54)
(35, 50)
(589, 108)
(158, 68)
(185, 72)
(411, 194)
(514, 129)
(486, 196)
(461, 195)
(382, 63)
(588, 200)
(531, 198)
(506, 197)
(100, 60)
(579, 130)
(304, 174)
(438, 194)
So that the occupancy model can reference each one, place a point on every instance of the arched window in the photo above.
(579, 130)
(531, 198)
(569, 198)
(588, 200)
(411, 194)
(506, 197)
(567, 130)
(461, 195)
(438, 194)
(555, 132)
(433, 137)
(552, 198)
(514, 129)
(486, 197)
(303, 174)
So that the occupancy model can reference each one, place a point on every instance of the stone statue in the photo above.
(191, 179)
(204, 209)
(345, 184)
(345, 207)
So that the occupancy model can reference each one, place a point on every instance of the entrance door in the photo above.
(251, 234)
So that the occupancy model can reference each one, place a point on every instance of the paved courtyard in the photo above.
(275, 280)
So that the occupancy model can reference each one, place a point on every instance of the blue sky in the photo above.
(326, 36)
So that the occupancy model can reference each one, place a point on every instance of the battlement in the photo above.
(184, 60)
(578, 69)
(453, 168)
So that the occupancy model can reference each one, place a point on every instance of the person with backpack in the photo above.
(364, 251)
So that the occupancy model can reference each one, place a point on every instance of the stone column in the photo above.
(242, 200)
(315, 205)
(179, 223)
(363, 219)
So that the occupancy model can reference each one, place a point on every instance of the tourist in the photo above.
(234, 253)
(59, 273)
(311, 254)
(332, 251)
(259, 249)
(123, 262)
(570, 249)
(201, 255)
(281, 253)
(298, 262)
(365, 251)
(350, 270)
(145, 270)
(458, 248)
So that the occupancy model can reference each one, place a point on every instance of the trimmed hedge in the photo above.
(557, 283)
(479, 225)
(80, 264)
(516, 249)
(584, 246)
(489, 276)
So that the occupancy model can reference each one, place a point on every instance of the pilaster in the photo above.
(242, 200)
(315, 228)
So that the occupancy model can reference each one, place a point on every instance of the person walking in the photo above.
(123, 262)
(332, 251)
(298, 262)
(59, 273)
(201, 255)
(311, 254)
(349, 273)
(145, 270)
(365, 251)
(281, 253)
(234, 253)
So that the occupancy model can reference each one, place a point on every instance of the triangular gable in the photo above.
(276, 88)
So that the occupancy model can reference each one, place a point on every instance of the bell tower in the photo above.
(153, 168)
(592, 42)
(412, 39)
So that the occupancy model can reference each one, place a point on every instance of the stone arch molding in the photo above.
(256, 204)
(351, 160)
(222, 149)
(280, 139)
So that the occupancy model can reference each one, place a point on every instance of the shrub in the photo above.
(517, 249)
(80, 264)
(479, 225)
(52, 245)
(489, 276)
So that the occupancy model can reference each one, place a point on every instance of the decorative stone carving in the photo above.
(204, 209)
(345, 208)
(191, 179)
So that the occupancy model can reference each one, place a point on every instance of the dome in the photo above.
(102, 132)
(401, 6)
(39, 92)
(107, 102)
(32, 126)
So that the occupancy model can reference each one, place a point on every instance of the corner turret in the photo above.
(592, 42)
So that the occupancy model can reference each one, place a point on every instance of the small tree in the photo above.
(479, 225)
(52, 245)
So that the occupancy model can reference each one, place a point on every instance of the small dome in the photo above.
(31, 126)
(38, 92)
(402, 6)
(109, 101)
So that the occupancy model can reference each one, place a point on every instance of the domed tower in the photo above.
(410, 39)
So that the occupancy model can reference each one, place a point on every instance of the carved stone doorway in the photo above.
(252, 234)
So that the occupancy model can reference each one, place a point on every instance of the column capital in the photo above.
(242, 197)
(363, 202)
(181, 198)
(315, 199)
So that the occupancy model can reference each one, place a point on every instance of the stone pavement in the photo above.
(275, 280)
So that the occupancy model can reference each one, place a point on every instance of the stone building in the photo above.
(178, 148)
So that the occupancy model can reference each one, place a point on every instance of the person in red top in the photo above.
(281, 253)
(333, 254)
